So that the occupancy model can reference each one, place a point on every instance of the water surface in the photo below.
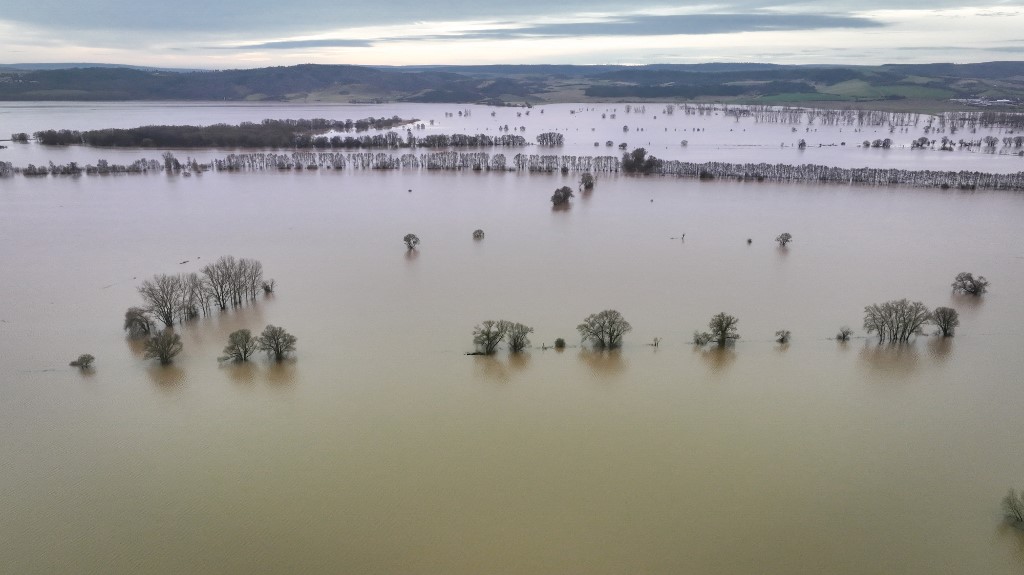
(382, 448)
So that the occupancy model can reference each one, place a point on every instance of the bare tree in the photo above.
(605, 329)
(253, 276)
(163, 297)
(241, 345)
(193, 296)
(238, 274)
(517, 336)
(1013, 508)
(163, 345)
(782, 336)
(895, 320)
(276, 342)
(965, 282)
(489, 334)
(478, 234)
(411, 241)
(784, 239)
(947, 319)
(844, 334)
(218, 280)
(137, 321)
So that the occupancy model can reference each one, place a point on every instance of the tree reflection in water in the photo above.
(890, 358)
(940, 347)
(281, 372)
(167, 377)
(136, 345)
(603, 362)
(240, 372)
(493, 368)
(717, 358)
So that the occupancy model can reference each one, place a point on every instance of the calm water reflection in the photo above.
(718, 359)
(603, 363)
(890, 359)
(169, 378)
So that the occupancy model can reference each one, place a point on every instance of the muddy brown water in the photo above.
(382, 448)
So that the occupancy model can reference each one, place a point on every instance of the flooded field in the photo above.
(713, 135)
(382, 448)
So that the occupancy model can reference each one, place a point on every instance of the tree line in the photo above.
(452, 160)
(892, 321)
(265, 134)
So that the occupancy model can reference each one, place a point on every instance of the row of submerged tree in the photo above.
(275, 134)
(769, 114)
(893, 321)
(164, 345)
(482, 161)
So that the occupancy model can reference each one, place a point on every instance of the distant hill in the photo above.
(920, 85)
(66, 65)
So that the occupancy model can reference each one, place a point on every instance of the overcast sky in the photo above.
(224, 34)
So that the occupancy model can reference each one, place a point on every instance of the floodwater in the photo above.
(382, 448)
(711, 137)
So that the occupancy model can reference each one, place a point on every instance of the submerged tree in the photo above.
(550, 139)
(782, 336)
(411, 241)
(784, 239)
(137, 322)
(489, 334)
(83, 362)
(587, 181)
(163, 296)
(1013, 508)
(639, 162)
(947, 319)
(517, 336)
(241, 345)
(163, 345)
(965, 282)
(478, 234)
(722, 331)
(605, 329)
(844, 334)
(276, 342)
(895, 320)
(561, 195)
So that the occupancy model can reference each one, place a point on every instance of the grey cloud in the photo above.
(694, 24)
(263, 18)
(292, 44)
(268, 18)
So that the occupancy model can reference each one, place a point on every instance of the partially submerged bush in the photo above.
(84, 361)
